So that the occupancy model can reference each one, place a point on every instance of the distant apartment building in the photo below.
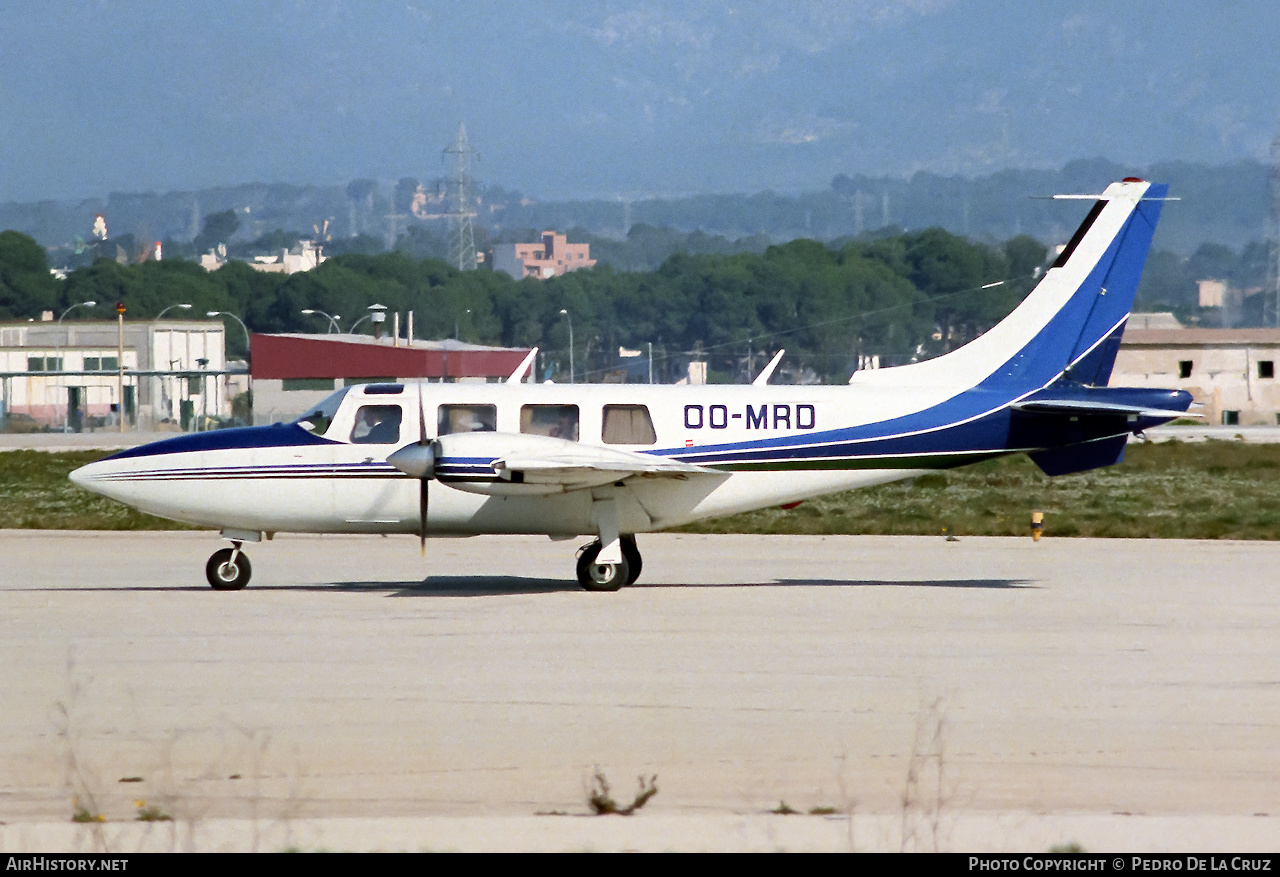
(303, 257)
(550, 257)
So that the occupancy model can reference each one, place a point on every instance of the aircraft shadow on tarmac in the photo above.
(492, 586)
(497, 586)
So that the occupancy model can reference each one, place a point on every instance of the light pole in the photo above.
(377, 313)
(57, 341)
(247, 352)
(238, 320)
(332, 318)
(151, 345)
(185, 307)
(570, 318)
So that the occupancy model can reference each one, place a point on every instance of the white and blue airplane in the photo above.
(614, 461)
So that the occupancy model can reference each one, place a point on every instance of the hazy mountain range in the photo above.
(570, 100)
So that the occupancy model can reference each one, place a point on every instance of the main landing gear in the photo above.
(609, 576)
(228, 569)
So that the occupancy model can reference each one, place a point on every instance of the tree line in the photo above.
(898, 297)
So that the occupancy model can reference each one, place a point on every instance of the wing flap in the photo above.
(590, 466)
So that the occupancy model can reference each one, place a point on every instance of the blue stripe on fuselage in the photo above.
(280, 435)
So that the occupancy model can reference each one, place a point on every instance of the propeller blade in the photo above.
(424, 493)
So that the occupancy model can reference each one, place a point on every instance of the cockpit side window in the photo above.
(377, 425)
(466, 418)
(318, 420)
(557, 421)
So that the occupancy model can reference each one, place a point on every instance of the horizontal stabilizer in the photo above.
(1084, 407)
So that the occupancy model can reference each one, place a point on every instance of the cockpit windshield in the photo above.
(320, 417)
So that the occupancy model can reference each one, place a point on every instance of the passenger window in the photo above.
(628, 425)
(466, 418)
(557, 421)
(377, 425)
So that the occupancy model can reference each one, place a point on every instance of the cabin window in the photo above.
(466, 418)
(556, 421)
(1184, 368)
(1266, 368)
(377, 425)
(628, 425)
(1230, 418)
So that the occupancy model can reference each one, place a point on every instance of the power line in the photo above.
(837, 320)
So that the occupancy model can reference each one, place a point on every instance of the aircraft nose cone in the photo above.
(87, 477)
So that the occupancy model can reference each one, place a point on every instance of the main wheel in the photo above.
(225, 575)
(631, 554)
(601, 576)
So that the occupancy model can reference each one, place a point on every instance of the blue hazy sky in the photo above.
(564, 98)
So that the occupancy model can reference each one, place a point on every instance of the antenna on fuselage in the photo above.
(763, 377)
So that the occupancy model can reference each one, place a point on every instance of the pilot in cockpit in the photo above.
(377, 425)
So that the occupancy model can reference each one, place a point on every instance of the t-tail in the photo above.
(1038, 379)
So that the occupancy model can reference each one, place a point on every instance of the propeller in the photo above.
(419, 460)
(424, 494)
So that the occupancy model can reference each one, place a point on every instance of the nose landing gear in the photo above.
(228, 569)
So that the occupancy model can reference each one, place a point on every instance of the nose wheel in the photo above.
(228, 569)
(595, 576)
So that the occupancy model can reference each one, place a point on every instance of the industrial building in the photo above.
(292, 372)
(65, 374)
(1230, 372)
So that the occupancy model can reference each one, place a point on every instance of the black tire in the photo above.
(601, 576)
(631, 554)
(228, 578)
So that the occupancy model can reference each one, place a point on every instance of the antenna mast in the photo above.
(1271, 304)
(460, 202)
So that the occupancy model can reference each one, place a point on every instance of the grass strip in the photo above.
(1171, 490)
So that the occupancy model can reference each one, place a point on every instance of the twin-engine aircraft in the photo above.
(613, 461)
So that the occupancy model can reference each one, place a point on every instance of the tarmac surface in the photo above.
(980, 695)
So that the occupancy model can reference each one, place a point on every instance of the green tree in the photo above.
(26, 286)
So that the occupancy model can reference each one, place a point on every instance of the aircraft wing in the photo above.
(505, 463)
(587, 465)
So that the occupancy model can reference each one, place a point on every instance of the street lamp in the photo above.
(185, 307)
(238, 320)
(570, 318)
(377, 314)
(332, 318)
(57, 340)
